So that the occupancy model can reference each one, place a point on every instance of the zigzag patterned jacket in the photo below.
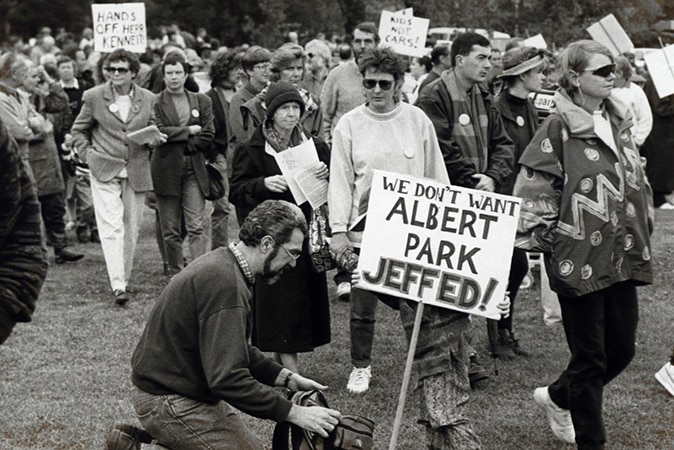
(585, 205)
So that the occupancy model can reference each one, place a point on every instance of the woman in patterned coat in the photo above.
(586, 206)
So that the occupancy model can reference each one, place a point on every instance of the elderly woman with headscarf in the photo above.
(293, 315)
(287, 65)
(585, 204)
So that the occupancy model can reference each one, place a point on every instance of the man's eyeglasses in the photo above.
(294, 254)
(363, 41)
(122, 70)
(604, 71)
(385, 85)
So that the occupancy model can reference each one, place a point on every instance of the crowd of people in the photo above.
(589, 175)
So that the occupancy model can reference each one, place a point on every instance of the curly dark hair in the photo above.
(275, 218)
(382, 60)
(125, 56)
(224, 63)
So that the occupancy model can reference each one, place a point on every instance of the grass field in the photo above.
(65, 377)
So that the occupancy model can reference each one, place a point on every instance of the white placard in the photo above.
(405, 34)
(661, 67)
(440, 245)
(119, 25)
(609, 33)
(537, 41)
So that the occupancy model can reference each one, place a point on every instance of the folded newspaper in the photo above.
(144, 136)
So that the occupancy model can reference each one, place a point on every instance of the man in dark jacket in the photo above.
(477, 151)
(23, 255)
(473, 140)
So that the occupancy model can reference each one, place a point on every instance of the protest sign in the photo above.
(537, 41)
(403, 33)
(440, 245)
(609, 33)
(661, 67)
(119, 25)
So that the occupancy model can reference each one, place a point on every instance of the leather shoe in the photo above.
(121, 297)
(126, 437)
(477, 374)
(64, 255)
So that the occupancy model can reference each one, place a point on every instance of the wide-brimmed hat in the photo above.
(519, 60)
(279, 93)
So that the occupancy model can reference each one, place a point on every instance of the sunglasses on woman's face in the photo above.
(122, 70)
(604, 71)
(385, 85)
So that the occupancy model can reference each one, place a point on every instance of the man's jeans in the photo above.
(181, 423)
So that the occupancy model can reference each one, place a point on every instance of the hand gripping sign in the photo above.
(440, 245)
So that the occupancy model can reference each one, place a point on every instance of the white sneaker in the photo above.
(344, 291)
(359, 380)
(559, 419)
(666, 377)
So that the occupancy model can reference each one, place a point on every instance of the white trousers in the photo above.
(119, 211)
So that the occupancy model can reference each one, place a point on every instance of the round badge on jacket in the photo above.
(113, 108)
(195, 113)
(464, 119)
(520, 121)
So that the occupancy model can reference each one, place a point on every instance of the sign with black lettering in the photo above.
(440, 245)
(119, 25)
(404, 33)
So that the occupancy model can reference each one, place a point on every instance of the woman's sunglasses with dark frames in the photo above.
(122, 70)
(385, 85)
(604, 71)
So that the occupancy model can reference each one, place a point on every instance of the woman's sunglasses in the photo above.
(385, 85)
(604, 71)
(122, 70)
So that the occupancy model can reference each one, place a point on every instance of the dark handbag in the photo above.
(319, 247)
(351, 433)
(216, 184)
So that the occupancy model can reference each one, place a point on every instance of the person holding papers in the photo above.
(178, 166)
(585, 205)
(293, 316)
(120, 168)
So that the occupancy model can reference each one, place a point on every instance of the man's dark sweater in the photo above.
(196, 341)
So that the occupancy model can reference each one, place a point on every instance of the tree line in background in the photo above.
(265, 22)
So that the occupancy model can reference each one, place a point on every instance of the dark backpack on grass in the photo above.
(352, 432)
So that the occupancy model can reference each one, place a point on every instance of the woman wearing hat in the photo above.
(523, 73)
(585, 204)
(287, 65)
(293, 315)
